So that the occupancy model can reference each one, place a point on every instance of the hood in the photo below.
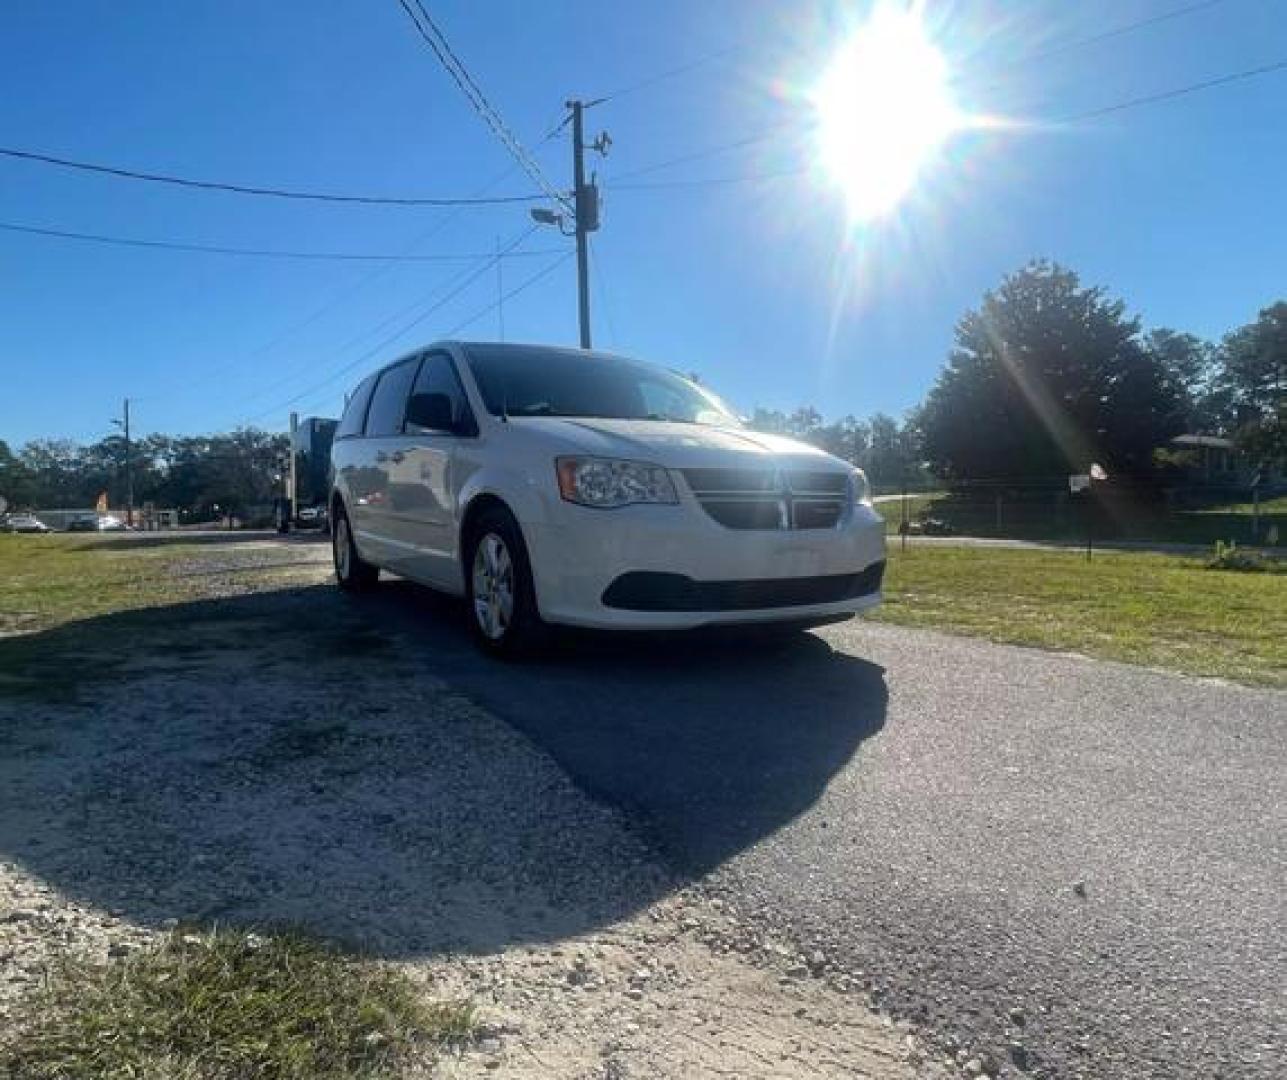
(676, 446)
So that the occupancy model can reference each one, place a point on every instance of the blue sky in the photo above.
(762, 287)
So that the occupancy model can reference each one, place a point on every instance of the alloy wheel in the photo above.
(493, 579)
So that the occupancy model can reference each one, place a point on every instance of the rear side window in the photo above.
(355, 410)
(389, 402)
(438, 376)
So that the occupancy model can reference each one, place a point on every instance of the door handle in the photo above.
(397, 457)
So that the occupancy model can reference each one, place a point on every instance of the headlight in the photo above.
(859, 489)
(606, 483)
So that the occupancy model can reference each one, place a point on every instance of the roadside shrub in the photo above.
(225, 1005)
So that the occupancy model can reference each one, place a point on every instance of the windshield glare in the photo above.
(520, 381)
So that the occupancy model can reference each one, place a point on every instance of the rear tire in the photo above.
(499, 593)
(351, 572)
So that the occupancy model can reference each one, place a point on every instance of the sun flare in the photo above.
(883, 107)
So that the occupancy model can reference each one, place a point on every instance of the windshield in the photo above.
(528, 381)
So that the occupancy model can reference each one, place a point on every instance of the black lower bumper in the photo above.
(647, 590)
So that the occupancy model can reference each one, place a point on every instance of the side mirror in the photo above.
(432, 412)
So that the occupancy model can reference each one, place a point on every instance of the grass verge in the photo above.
(68, 581)
(225, 1005)
(1158, 610)
(48, 580)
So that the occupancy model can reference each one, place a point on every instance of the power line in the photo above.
(1119, 31)
(522, 287)
(271, 192)
(364, 281)
(711, 151)
(388, 320)
(710, 181)
(769, 133)
(603, 291)
(669, 73)
(538, 276)
(1039, 54)
(1167, 95)
(1121, 106)
(263, 253)
(468, 280)
(465, 82)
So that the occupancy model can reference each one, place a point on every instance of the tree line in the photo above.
(1045, 377)
(204, 475)
(1048, 376)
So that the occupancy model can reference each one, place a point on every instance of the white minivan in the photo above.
(553, 485)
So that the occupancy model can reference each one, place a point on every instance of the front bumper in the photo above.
(673, 567)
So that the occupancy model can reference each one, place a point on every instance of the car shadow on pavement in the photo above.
(299, 757)
(711, 740)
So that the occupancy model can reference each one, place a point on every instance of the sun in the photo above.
(883, 107)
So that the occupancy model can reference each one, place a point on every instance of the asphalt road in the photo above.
(1073, 867)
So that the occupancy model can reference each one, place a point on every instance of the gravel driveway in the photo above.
(276, 754)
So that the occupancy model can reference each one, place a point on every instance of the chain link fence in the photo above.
(1046, 510)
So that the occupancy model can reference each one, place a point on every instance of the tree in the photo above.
(15, 481)
(1190, 364)
(54, 469)
(240, 469)
(1045, 378)
(1251, 384)
(887, 452)
(194, 473)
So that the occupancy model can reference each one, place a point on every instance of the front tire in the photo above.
(351, 572)
(500, 596)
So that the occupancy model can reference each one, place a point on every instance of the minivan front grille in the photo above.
(771, 498)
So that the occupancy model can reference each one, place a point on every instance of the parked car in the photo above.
(555, 485)
(96, 523)
(311, 517)
(24, 523)
(306, 517)
(932, 526)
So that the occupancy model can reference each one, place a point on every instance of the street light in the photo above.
(548, 217)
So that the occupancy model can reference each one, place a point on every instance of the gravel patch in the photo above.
(269, 759)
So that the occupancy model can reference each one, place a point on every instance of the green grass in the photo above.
(65, 581)
(47, 580)
(226, 1005)
(1158, 610)
(1267, 506)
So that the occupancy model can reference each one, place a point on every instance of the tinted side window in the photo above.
(389, 402)
(355, 410)
(438, 376)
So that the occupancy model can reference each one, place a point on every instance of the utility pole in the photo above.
(124, 424)
(584, 215)
(129, 470)
(585, 210)
(292, 492)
